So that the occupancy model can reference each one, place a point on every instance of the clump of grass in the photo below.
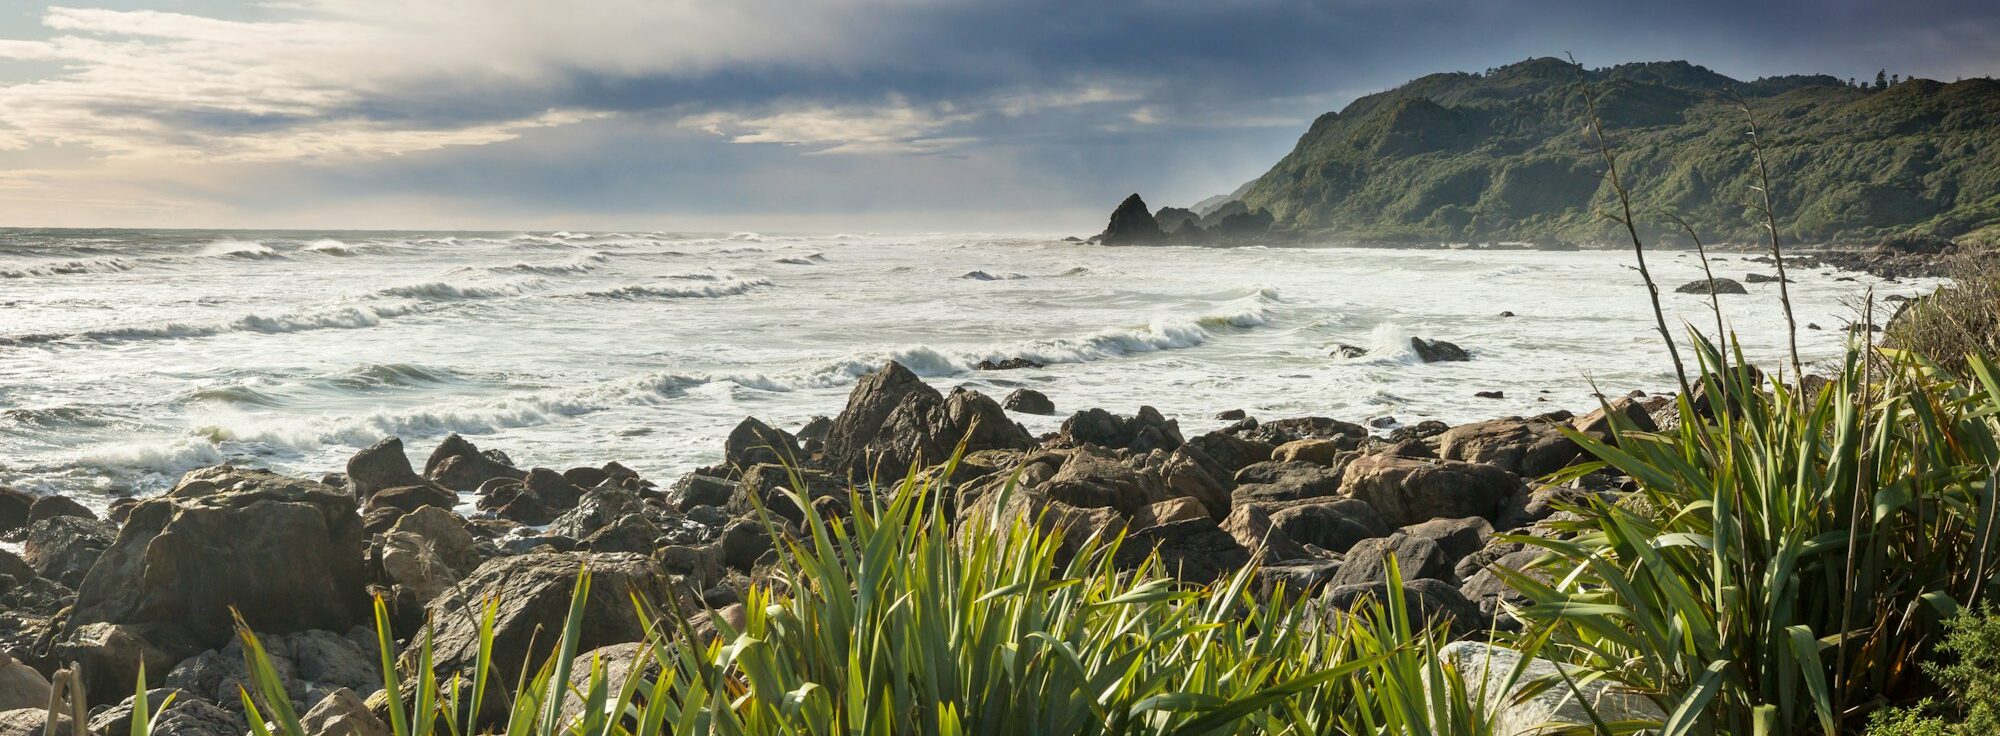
(1970, 674)
(1786, 562)
(891, 621)
(1956, 321)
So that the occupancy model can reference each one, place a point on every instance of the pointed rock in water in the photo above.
(1437, 351)
(1029, 401)
(1132, 224)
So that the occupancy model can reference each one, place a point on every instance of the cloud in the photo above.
(895, 126)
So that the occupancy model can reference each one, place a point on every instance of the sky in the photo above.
(787, 115)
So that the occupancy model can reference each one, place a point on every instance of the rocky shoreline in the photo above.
(1320, 503)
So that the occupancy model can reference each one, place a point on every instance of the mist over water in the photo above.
(127, 358)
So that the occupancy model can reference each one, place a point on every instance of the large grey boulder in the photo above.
(753, 442)
(1142, 432)
(64, 548)
(1334, 525)
(381, 466)
(1412, 490)
(1284, 481)
(1414, 557)
(283, 552)
(533, 592)
(457, 464)
(1529, 447)
(1499, 680)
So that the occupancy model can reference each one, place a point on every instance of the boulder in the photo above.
(49, 507)
(110, 656)
(1437, 351)
(1415, 558)
(894, 421)
(1169, 511)
(695, 489)
(1228, 452)
(380, 466)
(1094, 478)
(1499, 682)
(1597, 423)
(187, 715)
(1298, 578)
(427, 551)
(1141, 432)
(1284, 481)
(1250, 525)
(309, 664)
(1491, 592)
(1197, 550)
(1410, 490)
(1456, 538)
(459, 465)
(534, 592)
(1029, 401)
(64, 548)
(1428, 602)
(1132, 224)
(1529, 447)
(1334, 525)
(767, 485)
(1315, 451)
(285, 553)
(754, 443)
(405, 499)
(1281, 431)
(342, 713)
(1722, 286)
(30, 722)
(21, 686)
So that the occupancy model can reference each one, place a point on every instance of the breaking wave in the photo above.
(68, 268)
(439, 291)
(243, 249)
(704, 291)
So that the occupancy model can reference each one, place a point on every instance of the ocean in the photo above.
(130, 357)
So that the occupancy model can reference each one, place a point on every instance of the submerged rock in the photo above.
(1722, 286)
(1029, 401)
(1437, 351)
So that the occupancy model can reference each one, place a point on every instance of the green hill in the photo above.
(1504, 155)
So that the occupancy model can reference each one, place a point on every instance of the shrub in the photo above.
(1970, 674)
(1957, 321)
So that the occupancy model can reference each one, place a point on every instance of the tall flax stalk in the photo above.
(1769, 211)
(1631, 228)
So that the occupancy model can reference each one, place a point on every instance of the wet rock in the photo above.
(534, 594)
(1437, 351)
(1415, 557)
(1345, 350)
(459, 465)
(753, 442)
(1489, 394)
(1009, 364)
(381, 466)
(1722, 286)
(1141, 432)
(285, 553)
(1197, 550)
(1230, 415)
(64, 548)
(1408, 490)
(1758, 278)
(49, 507)
(1529, 447)
(1029, 401)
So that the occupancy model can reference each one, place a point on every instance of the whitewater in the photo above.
(130, 357)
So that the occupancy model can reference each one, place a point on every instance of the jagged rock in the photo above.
(1132, 224)
(1029, 401)
(49, 507)
(1530, 447)
(1229, 452)
(1437, 351)
(1345, 350)
(694, 490)
(405, 499)
(1416, 558)
(893, 420)
(21, 686)
(342, 713)
(1145, 431)
(110, 655)
(64, 548)
(1492, 593)
(1334, 525)
(1091, 478)
(534, 594)
(458, 465)
(1498, 681)
(1722, 286)
(426, 552)
(187, 715)
(1421, 430)
(767, 485)
(1197, 550)
(1007, 364)
(1231, 415)
(1281, 431)
(1408, 490)
(1316, 451)
(1284, 481)
(285, 553)
(596, 510)
(755, 443)
(1428, 602)
(381, 466)
(310, 665)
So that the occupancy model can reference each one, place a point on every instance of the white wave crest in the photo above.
(67, 268)
(245, 249)
(704, 291)
(439, 291)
